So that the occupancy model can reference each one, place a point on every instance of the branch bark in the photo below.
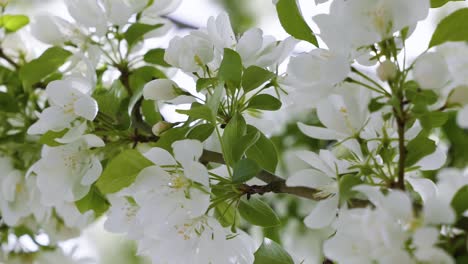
(275, 183)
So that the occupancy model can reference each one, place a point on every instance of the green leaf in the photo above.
(198, 111)
(257, 212)
(292, 21)
(49, 62)
(149, 112)
(459, 201)
(433, 119)
(170, 136)
(156, 56)
(271, 252)
(122, 171)
(375, 105)
(230, 70)
(215, 100)
(347, 182)
(245, 170)
(13, 23)
(439, 3)
(95, 201)
(8, 103)
(204, 83)
(418, 148)
(264, 102)
(137, 31)
(454, 27)
(255, 76)
(233, 132)
(263, 152)
(201, 132)
(49, 138)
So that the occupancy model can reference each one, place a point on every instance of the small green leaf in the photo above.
(257, 212)
(150, 113)
(8, 103)
(201, 132)
(13, 23)
(95, 201)
(263, 152)
(122, 171)
(454, 27)
(233, 132)
(418, 148)
(264, 102)
(230, 70)
(170, 136)
(198, 111)
(375, 105)
(433, 119)
(347, 182)
(292, 21)
(439, 3)
(137, 31)
(49, 62)
(245, 170)
(459, 201)
(271, 252)
(204, 83)
(255, 76)
(156, 56)
(49, 138)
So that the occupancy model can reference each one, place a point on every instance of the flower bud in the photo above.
(161, 127)
(387, 71)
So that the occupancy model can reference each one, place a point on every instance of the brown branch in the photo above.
(275, 184)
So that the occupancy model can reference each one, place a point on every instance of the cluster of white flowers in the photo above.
(382, 189)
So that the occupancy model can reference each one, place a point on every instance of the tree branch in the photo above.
(180, 24)
(275, 183)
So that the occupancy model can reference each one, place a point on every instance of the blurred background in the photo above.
(106, 248)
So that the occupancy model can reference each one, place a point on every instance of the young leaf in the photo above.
(201, 132)
(170, 136)
(418, 148)
(271, 252)
(347, 182)
(156, 56)
(257, 212)
(245, 170)
(95, 201)
(49, 138)
(255, 76)
(122, 171)
(136, 32)
(264, 102)
(13, 23)
(459, 203)
(49, 62)
(198, 111)
(292, 21)
(263, 152)
(454, 27)
(230, 70)
(233, 132)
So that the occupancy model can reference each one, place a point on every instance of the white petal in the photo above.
(323, 213)
(433, 161)
(160, 89)
(52, 118)
(187, 151)
(425, 237)
(160, 157)
(309, 178)
(462, 117)
(93, 173)
(197, 172)
(320, 132)
(425, 187)
(86, 107)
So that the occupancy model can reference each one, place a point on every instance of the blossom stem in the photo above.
(8, 59)
(274, 184)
